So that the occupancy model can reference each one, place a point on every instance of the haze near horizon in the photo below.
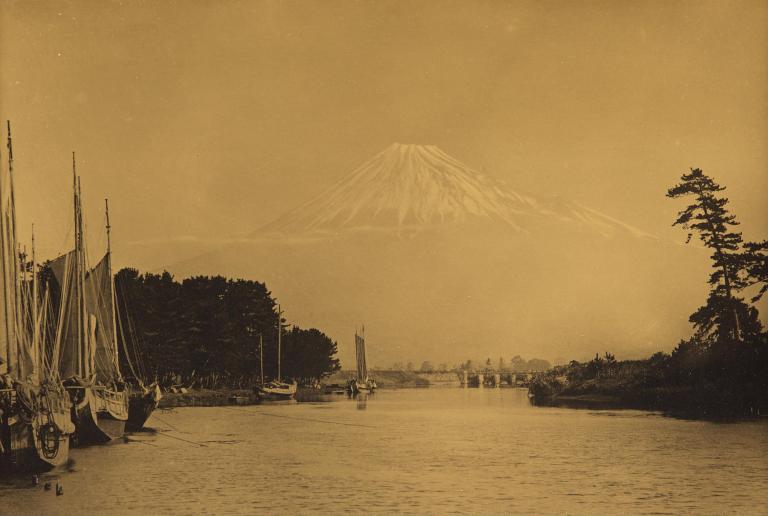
(204, 122)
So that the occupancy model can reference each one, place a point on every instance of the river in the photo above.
(412, 451)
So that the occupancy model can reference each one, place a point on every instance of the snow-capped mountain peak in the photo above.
(409, 186)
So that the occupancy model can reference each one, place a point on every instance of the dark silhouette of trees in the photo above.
(709, 217)
(309, 354)
(206, 331)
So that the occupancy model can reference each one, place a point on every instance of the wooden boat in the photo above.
(141, 405)
(362, 383)
(35, 439)
(35, 424)
(278, 391)
(88, 342)
(275, 390)
(100, 413)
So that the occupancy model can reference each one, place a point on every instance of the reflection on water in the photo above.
(412, 451)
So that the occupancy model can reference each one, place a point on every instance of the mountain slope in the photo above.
(411, 187)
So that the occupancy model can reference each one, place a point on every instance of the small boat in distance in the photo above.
(275, 390)
(362, 383)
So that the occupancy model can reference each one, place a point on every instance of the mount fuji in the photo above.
(413, 187)
(443, 263)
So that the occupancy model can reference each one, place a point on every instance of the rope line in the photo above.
(160, 432)
(299, 418)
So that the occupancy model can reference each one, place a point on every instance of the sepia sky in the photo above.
(203, 120)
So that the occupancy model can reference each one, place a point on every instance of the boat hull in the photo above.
(36, 447)
(356, 387)
(140, 407)
(283, 392)
(38, 439)
(100, 416)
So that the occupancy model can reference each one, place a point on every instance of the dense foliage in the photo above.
(723, 368)
(207, 331)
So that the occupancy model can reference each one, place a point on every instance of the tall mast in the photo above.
(78, 275)
(279, 340)
(4, 246)
(261, 356)
(112, 288)
(36, 344)
(90, 355)
(14, 262)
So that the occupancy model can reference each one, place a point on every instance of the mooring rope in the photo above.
(155, 416)
(299, 418)
(160, 432)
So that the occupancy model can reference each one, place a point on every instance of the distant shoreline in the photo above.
(688, 402)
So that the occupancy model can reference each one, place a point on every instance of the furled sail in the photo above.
(100, 309)
(362, 367)
(67, 346)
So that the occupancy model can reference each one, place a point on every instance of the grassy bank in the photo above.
(692, 382)
(223, 397)
(206, 398)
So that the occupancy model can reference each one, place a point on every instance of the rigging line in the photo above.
(155, 416)
(123, 312)
(164, 434)
(299, 418)
(131, 335)
(139, 441)
(125, 348)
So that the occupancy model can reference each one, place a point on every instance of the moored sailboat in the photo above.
(276, 390)
(143, 398)
(88, 341)
(361, 383)
(35, 424)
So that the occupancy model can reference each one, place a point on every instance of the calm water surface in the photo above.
(413, 451)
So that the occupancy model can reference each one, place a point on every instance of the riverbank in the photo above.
(208, 398)
(655, 384)
(223, 397)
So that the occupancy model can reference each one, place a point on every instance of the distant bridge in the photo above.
(484, 378)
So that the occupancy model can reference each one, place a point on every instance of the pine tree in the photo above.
(755, 259)
(708, 217)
